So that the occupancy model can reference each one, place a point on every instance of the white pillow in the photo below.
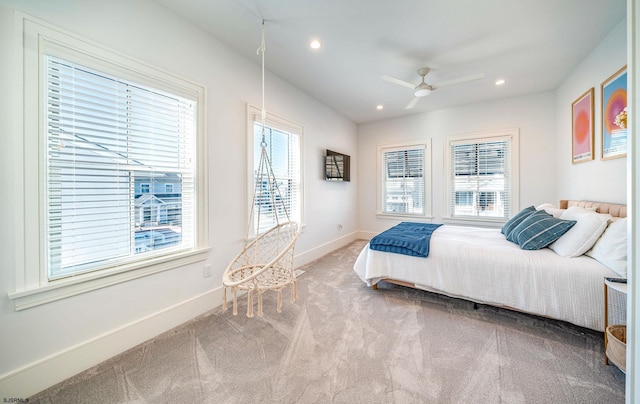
(611, 248)
(583, 235)
(551, 209)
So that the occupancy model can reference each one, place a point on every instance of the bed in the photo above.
(481, 265)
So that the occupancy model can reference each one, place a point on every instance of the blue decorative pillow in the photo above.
(540, 229)
(516, 220)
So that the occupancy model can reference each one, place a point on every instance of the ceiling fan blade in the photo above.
(459, 80)
(413, 103)
(398, 81)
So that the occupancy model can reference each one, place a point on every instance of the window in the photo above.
(104, 134)
(405, 186)
(114, 132)
(483, 176)
(283, 141)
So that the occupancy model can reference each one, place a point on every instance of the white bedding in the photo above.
(481, 265)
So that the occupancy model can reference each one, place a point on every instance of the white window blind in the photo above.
(403, 180)
(480, 178)
(113, 150)
(283, 145)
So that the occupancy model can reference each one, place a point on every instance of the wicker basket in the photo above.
(617, 345)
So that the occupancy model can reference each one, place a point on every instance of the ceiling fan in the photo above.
(423, 89)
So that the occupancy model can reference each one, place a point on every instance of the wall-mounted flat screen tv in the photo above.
(337, 166)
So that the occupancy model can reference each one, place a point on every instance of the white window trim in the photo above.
(281, 123)
(32, 287)
(513, 135)
(426, 143)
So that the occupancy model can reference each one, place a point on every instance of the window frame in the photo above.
(512, 135)
(279, 123)
(32, 286)
(427, 172)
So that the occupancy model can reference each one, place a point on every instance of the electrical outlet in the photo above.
(207, 270)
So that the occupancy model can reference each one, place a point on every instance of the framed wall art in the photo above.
(582, 128)
(614, 115)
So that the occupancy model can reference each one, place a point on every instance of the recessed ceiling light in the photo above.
(500, 82)
(379, 107)
(315, 44)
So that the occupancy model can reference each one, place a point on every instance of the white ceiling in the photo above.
(532, 44)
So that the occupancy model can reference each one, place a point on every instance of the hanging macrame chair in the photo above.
(266, 262)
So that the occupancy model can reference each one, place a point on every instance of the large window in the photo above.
(105, 135)
(404, 176)
(482, 175)
(274, 200)
(116, 168)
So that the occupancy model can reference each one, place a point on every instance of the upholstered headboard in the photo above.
(614, 209)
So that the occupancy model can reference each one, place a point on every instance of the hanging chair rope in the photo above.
(264, 166)
(266, 262)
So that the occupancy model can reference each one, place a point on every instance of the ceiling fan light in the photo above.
(421, 92)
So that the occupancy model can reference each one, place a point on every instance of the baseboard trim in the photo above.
(324, 249)
(62, 365)
(366, 235)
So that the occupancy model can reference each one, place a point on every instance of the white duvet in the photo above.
(481, 265)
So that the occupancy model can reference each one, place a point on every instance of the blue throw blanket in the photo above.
(405, 238)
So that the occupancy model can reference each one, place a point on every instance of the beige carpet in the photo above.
(342, 342)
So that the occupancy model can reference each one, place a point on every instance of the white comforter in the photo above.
(481, 265)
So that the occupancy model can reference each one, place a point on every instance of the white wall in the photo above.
(599, 180)
(48, 343)
(534, 115)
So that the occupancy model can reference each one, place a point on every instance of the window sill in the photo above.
(481, 222)
(73, 286)
(400, 216)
